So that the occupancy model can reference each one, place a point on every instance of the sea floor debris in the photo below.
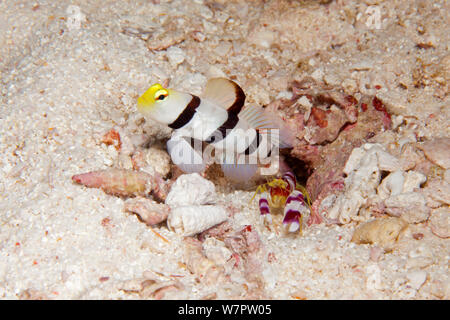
(71, 73)
(356, 188)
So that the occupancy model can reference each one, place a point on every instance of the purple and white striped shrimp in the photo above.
(284, 192)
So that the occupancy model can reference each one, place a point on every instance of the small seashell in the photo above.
(191, 189)
(124, 182)
(410, 206)
(383, 232)
(152, 160)
(155, 289)
(196, 262)
(190, 220)
(137, 32)
(118, 182)
(147, 210)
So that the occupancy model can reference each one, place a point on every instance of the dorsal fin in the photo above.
(225, 93)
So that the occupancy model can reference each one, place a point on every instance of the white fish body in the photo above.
(219, 120)
(207, 119)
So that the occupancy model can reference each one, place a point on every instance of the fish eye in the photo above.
(161, 94)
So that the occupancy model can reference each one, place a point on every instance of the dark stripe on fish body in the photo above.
(238, 103)
(187, 114)
(254, 145)
(228, 125)
(232, 119)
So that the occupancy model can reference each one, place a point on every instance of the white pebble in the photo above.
(223, 48)
(284, 95)
(263, 39)
(175, 55)
(416, 279)
(318, 74)
(373, 281)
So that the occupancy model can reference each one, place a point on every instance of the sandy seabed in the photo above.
(72, 70)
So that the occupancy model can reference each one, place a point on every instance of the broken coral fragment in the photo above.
(112, 137)
(248, 252)
(437, 193)
(197, 263)
(157, 289)
(383, 232)
(391, 185)
(410, 206)
(150, 288)
(359, 157)
(438, 151)
(398, 182)
(439, 222)
(329, 159)
(148, 211)
(216, 251)
(363, 170)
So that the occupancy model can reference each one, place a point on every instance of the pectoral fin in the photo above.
(186, 153)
